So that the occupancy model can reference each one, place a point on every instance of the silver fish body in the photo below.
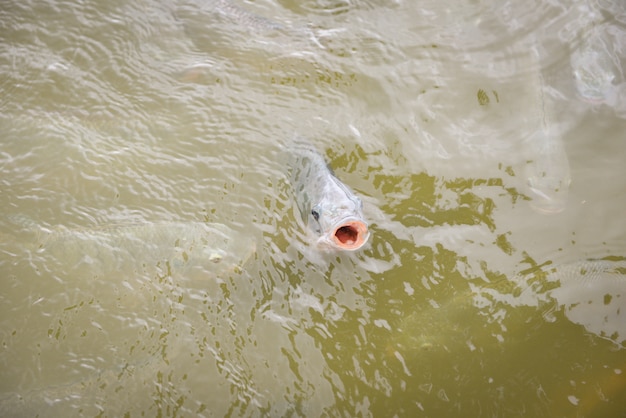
(328, 207)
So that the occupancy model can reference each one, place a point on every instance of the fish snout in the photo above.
(350, 234)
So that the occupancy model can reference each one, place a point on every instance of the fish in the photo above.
(170, 247)
(328, 207)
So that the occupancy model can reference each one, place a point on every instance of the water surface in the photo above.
(486, 141)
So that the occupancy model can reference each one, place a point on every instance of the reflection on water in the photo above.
(598, 71)
(548, 173)
(175, 247)
(485, 142)
(599, 284)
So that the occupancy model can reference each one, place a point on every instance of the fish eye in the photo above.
(315, 214)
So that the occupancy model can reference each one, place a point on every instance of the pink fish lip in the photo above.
(349, 234)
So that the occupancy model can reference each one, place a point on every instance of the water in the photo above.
(487, 143)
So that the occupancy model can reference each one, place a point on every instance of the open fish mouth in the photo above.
(349, 235)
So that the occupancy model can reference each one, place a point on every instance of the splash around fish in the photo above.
(328, 207)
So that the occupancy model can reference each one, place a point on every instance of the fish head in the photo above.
(340, 224)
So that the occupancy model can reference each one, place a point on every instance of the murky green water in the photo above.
(486, 141)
